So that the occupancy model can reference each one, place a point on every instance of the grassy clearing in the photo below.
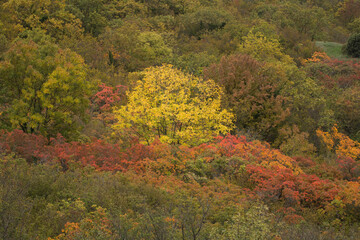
(332, 49)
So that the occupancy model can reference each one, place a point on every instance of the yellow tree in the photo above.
(264, 49)
(175, 107)
(339, 143)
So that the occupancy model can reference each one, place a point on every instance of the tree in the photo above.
(49, 15)
(250, 92)
(134, 49)
(282, 184)
(91, 13)
(44, 87)
(175, 107)
(339, 144)
(95, 226)
(348, 111)
(294, 142)
(203, 20)
(253, 223)
(307, 100)
(352, 46)
(348, 11)
(264, 49)
(151, 48)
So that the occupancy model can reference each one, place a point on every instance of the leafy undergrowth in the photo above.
(229, 188)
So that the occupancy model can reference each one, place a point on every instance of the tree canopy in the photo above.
(179, 119)
(45, 88)
(175, 107)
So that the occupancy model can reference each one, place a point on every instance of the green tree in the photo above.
(352, 47)
(151, 48)
(134, 49)
(175, 107)
(347, 112)
(50, 15)
(91, 13)
(264, 49)
(203, 20)
(307, 101)
(44, 87)
(252, 224)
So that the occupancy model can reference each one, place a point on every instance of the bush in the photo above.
(352, 47)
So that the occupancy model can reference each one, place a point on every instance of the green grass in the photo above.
(332, 49)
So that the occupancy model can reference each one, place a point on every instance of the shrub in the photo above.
(352, 47)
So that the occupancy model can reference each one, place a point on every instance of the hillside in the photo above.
(179, 119)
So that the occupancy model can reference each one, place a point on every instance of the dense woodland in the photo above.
(179, 119)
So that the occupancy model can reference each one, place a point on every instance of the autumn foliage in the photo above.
(249, 92)
(179, 119)
(175, 107)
